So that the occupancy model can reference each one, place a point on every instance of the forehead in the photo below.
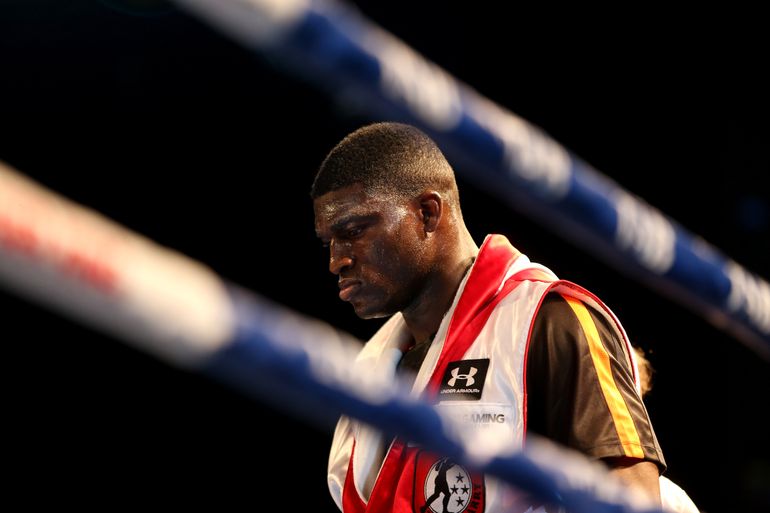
(335, 206)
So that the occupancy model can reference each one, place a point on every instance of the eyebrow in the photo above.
(350, 218)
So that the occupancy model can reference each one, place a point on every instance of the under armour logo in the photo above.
(469, 380)
(464, 380)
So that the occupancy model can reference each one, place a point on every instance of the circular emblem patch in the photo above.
(448, 488)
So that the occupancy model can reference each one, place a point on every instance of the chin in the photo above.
(363, 314)
(371, 312)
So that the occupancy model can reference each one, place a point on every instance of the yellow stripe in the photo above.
(629, 437)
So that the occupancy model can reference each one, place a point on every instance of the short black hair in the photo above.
(386, 158)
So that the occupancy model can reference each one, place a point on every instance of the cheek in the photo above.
(410, 249)
(393, 254)
(383, 262)
(397, 263)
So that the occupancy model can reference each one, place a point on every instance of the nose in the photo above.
(339, 258)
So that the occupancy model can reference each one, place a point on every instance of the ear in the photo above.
(431, 206)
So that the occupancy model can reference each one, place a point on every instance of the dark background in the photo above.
(145, 114)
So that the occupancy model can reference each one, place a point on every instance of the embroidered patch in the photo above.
(443, 486)
(464, 380)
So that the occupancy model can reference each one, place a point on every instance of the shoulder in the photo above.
(573, 310)
(577, 328)
(562, 317)
(556, 308)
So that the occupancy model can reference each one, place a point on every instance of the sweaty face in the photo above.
(375, 249)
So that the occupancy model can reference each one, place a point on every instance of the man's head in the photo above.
(390, 159)
(386, 203)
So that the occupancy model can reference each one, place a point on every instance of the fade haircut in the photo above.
(387, 158)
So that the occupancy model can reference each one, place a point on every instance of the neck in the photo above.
(423, 317)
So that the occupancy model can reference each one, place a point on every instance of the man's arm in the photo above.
(581, 392)
(639, 474)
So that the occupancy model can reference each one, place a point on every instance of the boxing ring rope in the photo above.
(75, 261)
(332, 46)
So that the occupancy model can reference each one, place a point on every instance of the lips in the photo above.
(348, 288)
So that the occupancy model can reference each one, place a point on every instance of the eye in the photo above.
(354, 231)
